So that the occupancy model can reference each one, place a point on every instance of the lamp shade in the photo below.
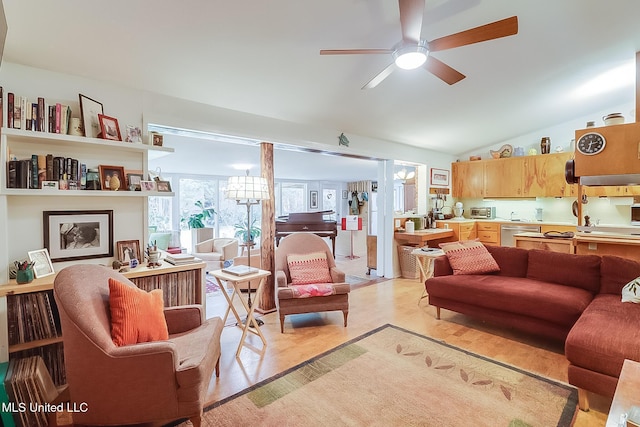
(247, 188)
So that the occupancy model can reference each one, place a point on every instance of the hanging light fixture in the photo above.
(410, 57)
(404, 175)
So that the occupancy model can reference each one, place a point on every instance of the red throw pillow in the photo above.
(309, 268)
(469, 257)
(136, 316)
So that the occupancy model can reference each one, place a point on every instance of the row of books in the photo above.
(29, 388)
(37, 116)
(32, 317)
(177, 288)
(31, 173)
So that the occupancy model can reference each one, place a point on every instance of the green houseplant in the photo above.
(196, 220)
(243, 233)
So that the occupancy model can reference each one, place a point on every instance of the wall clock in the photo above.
(591, 143)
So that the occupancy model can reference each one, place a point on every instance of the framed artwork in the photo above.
(89, 110)
(345, 194)
(439, 177)
(156, 139)
(111, 177)
(73, 235)
(42, 263)
(134, 134)
(313, 199)
(134, 180)
(147, 186)
(126, 250)
(109, 128)
(164, 186)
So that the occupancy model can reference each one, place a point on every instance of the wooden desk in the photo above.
(626, 394)
(250, 321)
(423, 237)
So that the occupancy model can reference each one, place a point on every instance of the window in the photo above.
(194, 190)
(329, 196)
(293, 197)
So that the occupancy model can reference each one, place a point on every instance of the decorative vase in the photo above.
(24, 276)
(114, 183)
(545, 145)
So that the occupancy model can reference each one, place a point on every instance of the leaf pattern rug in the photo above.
(394, 377)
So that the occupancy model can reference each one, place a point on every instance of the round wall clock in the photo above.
(591, 143)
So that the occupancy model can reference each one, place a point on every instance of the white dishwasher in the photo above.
(508, 230)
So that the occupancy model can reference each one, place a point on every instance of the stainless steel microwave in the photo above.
(483, 213)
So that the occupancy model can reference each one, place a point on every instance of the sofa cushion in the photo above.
(513, 262)
(136, 316)
(309, 268)
(580, 271)
(616, 272)
(605, 335)
(469, 257)
(528, 297)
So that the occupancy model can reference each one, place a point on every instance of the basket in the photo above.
(408, 263)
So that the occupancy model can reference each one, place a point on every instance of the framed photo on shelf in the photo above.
(164, 186)
(134, 134)
(313, 199)
(134, 180)
(147, 186)
(126, 250)
(42, 263)
(74, 235)
(439, 177)
(156, 139)
(109, 128)
(109, 173)
(89, 110)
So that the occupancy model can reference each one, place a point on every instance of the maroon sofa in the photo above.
(573, 298)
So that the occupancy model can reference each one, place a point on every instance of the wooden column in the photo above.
(267, 301)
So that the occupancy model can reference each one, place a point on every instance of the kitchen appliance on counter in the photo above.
(458, 211)
(507, 231)
(482, 213)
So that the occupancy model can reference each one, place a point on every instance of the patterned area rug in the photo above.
(394, 377)
(211, 285)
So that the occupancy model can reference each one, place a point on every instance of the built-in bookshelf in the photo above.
(33, 322)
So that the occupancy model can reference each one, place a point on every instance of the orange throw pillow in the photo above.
(136, 316)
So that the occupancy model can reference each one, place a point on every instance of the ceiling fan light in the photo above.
(410, 57)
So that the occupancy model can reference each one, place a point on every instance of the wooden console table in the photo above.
(626, 394)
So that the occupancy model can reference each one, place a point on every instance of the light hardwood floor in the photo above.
(396, 302)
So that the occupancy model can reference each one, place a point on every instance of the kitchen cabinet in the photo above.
(462, 230)
(538, 241)
(468, 179)
(544, 176)
(488, 233)
(504, 177)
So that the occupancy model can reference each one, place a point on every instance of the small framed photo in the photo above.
(164, 186)
(89, 110)
(127, 250)
(147, 186)
(134, 180)
(49, 185)
(439, 177)
(111, 177)
(134, 134)
(345, 194)
(42, 263)
(73, 235)
(109, 128)
(313, 199)
(156, 139)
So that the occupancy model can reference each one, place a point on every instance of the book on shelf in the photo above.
(178, 259)
(10, 103)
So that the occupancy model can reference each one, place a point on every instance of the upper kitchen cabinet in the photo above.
(504, 177)
(544, 176)
(468, 179)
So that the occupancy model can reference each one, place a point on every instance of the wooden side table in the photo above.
(426, 270)
(626, 394)
(250, 322)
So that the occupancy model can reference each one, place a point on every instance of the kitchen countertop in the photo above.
(507, 221)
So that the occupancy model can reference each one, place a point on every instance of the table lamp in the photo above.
(248, 190)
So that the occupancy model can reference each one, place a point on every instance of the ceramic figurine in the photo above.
(505, 151)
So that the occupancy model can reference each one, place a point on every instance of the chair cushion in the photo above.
(311, 268)
(136, 316)
(313, 290)
(469, 257)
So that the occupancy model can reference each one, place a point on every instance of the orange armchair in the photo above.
(159, 381)
(288, 300)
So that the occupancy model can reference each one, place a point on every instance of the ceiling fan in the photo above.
(413, 52)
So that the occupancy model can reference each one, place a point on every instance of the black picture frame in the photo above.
(313, 199)
(89, 110)
(75, 235)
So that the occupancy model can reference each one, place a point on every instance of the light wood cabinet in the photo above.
(468, 179)
(488, 233)
(544, 176)
(462, 230)
(504, 177)
(555, 245)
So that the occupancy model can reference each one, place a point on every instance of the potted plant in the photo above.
(196, 223)
(247, 235)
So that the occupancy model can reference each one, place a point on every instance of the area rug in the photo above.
(395, 377)
(211, 284)
(356, 282)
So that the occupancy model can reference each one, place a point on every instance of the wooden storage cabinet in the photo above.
(462, 230)
(468, 179)
(488, 233)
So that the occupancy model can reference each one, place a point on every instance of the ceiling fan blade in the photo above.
(354, 51)
(442, 71)
(495, 30)
(380, 77)
(411, 12)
